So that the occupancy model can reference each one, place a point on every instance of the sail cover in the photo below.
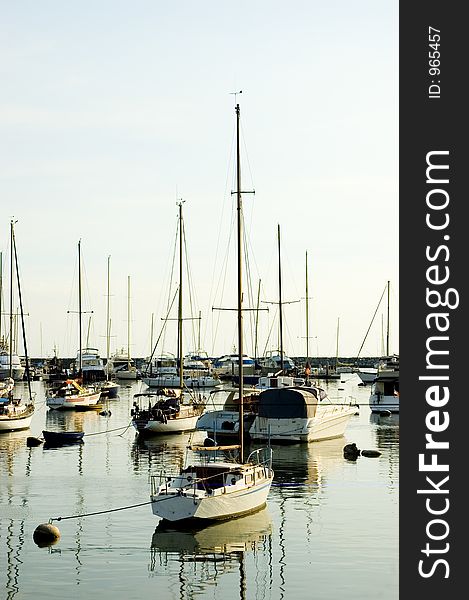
(287, 403)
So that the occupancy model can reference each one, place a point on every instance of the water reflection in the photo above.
(14, 541)
(162, 451)
(306, 464)
(10, 444)
(218, 550)
(386, 433)
(67, 420)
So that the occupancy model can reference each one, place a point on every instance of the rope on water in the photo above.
(110, 510)
(109, 430)
(100, 512)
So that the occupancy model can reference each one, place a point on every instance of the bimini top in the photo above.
(289, 403)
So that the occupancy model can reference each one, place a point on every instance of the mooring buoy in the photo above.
(46, 534)
(371, 453)
(351, 452)
(33, 441)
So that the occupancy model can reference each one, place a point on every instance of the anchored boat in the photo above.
(219, 485)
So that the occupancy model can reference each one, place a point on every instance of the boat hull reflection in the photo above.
(225, 537)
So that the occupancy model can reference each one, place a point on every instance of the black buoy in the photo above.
(33, 441)
(385, 413)
(371, 453)
(46, 534)
(351, 452)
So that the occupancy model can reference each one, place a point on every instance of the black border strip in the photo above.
(433, 130)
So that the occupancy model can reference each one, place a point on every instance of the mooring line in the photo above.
(108, 430)
(100, 512)
(110, 510)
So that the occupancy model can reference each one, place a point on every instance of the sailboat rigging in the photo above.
(72, 395)
(109, 389)
(277, 361)
(385, 389)
(121, 364)
(171, 374)
(173, 410)
(14, 414)
(216, 490)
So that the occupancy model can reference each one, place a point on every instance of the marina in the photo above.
(322, 513)
(199, 390)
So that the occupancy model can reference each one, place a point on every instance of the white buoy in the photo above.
(46, 534)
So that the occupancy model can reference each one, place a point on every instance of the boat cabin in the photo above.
(290, 403)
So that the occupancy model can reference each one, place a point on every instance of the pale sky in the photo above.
(110, 111)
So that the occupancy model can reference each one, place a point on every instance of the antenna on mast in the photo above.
(235, 94)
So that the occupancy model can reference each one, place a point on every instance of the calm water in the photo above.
(330, 530)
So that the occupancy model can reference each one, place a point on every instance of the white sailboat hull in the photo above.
(222, 505)
(74, 402)
(171, 426)
(15, 423)
(15, 418)
(324, 427)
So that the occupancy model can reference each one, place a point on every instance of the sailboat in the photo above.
(71, 394)
(214, 489)
(169, 410)
(299, 414)
(385, 389)
(121, 365)
(14, 413)
(191, 370)
(10, 362)
(277, 362)
(109, 389)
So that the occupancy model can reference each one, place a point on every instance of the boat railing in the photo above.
(261, 456)
(194, 483)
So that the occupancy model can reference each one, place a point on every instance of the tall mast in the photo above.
(151, 335)
(337, 345)
(307, 311)
(1, 293)
(280, 301)
(10, 345)
(108, 322)
(257, 320)
(25, 345)
(128, 322)
(387, 329)
(239, 209)
(79, 308)
(181, 367)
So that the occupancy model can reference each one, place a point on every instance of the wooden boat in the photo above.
(214, 489)
(62, 438)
